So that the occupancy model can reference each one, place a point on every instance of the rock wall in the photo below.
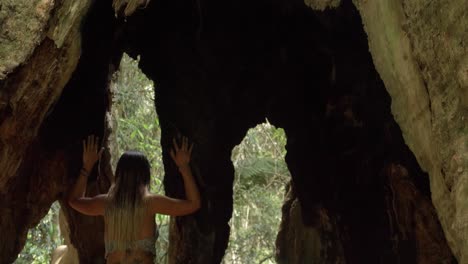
(412, 217)
(297, 243)
(40, 135)
(42, 77)
(23, 26)
(420, 51)
(30, 32)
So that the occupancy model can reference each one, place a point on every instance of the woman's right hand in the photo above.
(91, 154)
(181, 154)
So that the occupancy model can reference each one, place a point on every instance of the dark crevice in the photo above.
(79, 112)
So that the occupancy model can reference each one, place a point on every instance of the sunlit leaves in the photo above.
(261, 175)
(42, 239)
(261, 172)
(136, 127)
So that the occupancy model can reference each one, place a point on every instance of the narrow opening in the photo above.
(42, 239)
(135, 126)
(261, 175)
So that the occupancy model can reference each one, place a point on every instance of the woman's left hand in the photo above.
(90, 152)
(182, 153)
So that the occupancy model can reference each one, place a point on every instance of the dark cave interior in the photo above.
(222, 67)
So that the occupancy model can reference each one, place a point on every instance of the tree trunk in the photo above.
(220, 68)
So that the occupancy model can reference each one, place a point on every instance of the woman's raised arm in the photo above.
(76, 197)
(177, 207)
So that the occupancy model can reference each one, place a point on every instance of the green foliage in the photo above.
(136, 127)
(261, 174)
(42, 239)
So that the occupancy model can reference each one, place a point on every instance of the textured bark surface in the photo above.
(41, 80)
(22, 27)
(297, 243)
(40, 135)
(221, 68)
(420, 50)
(412, 218)
(31, 177)
(318, 83)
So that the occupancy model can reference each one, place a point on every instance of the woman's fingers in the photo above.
(176, 147)
(171, 152)
(91, 144)
(184, 143)
(96, 144)
(190, 149)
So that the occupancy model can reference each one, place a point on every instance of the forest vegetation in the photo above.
(261, 175)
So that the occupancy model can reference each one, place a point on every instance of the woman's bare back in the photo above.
(147, 232)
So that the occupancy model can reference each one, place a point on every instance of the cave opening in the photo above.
(42, 239)
(358, 193)
(134, 125)
(261, 175)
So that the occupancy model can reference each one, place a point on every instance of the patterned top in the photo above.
(147, 244)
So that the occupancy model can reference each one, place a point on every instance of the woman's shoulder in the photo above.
(150, 195)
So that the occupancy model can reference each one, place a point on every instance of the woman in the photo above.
(129, 207)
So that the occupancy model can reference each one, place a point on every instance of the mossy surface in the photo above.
(322, 4)
(22, 23)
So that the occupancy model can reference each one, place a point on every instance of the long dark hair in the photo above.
(126, 206)
(132, 172)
